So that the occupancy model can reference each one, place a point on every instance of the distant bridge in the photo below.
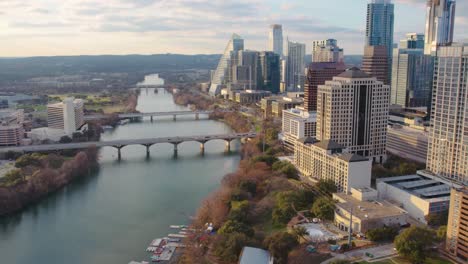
(147, 142)
(174, 115)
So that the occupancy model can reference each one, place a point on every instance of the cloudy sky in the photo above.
(74, 27)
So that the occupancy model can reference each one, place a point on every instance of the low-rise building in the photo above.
(248, 96)
(273, 106)
(250, 255)
(457, 227)
(328, 160)
(11, 127)
(297, 124)
(366, 210)
(417, 194)
(407, 142)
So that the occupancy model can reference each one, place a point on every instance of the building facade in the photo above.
(407, 142)
(457, 227)
(297, 123)
(248, 96)
(380, 27)
(448, 134)
(11, 127)
(270, 64)
(328, 160)
(67, 115)
(222, 72)
(440, 23)
(375, 62)
(352, 110)
(275, 39)
(326, 51)
(295, 66)
(317, 74)
(246, 72)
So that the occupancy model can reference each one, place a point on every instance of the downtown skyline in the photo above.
(93, 27)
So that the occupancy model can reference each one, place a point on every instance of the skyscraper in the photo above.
(379, 27)
(326, 51)
(222, 71)
(352, 110)
(440, 21)
(295, 66)
(245, 70)
(412, 73)
(275, 39)
(270, 64)
(375, 63)
(317, 74)
(457, 226)
(448, 136)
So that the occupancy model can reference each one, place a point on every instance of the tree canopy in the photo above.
(280, 244)
(324, 208)
(414, 243)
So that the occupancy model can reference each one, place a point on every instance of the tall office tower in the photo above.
(270, 64)
(317, 74)
(448, 137)
(375, 63)
(379, 28)
(457, 227)
(275, 39)
(295, 66)
(245, 70)
(326, 51)
(412, 73)
(352, 110)
(222, 72)
(440, 22)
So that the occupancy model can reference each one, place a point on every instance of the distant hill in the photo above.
(24, 68)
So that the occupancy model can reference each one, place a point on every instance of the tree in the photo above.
(326, 186)
(300, 232)
(239, 211)
(382, 234)
(233, 226)
(286, 168)
(228, 247)
(65, 139)
(280, 244)
(13, 176)
(28, 160)
(340, 261)
(268, 159)
(248, 186)
(441, 233)
(287, 201)
(414, 243)
(323, 208)
(437, 219)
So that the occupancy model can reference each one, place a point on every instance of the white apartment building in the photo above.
(297, 123)
(352, 110)
(11, 127)
(67, 115)
(329, 160)
(407, 142)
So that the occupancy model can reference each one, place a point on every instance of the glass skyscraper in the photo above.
(440, 22)
(275, 39)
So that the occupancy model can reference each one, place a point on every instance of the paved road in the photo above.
(133, 115)
(379, 252)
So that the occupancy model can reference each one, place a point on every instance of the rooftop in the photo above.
(250, 255)
(354, 73)
(349, 157)
(367, 209)
(328, 145)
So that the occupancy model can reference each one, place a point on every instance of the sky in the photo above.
(94, 27)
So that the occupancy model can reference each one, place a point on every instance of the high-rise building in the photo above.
(375, 63)
(275, 39)
(67, 115)
(352, 110)
(379, 28)
(270, 64)
(317, 74)
(457, 227)
(448, 136)
(326, 51)
(440, 22)
(295, 66)
(412, 73)
(245, 70)
(222, 71)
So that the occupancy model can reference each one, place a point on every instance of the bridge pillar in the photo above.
(174, 117)
(202, 147)
(228, 145)
(151, 118)
(119, 152)
(147, 150)
(176, 149)
(197, 116)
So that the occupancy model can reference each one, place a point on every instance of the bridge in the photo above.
(174, 115)
(119, 144)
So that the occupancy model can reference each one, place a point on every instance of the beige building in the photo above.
(273, 106)
(248, 96)
(352, 110)
(11, 127)
(67, 115)
(367, 211)
(328, 160)
(297, 123)
(407, 142)
(457, 227)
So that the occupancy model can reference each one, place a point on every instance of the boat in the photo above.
(177, 226)
(124, 122)
(177, 235)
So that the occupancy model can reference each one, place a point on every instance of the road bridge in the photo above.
(174, 115)
(119, 144)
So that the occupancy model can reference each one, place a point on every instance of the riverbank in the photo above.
(38, 175)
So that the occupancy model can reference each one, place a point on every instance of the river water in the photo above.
(112, 216)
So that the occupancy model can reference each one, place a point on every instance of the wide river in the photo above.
(112, 216)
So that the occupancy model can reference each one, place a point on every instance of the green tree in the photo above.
(228, 247)
(280, 244)
(326, 186)
(268, 159)
(248, 186)
(324, 208)
(239, 211)
(14, 176)
(382, 234)
(414, 243)
(287, 201)
(232, 226)
(340, 261)
(28, 160)
(300, 232)
(437, 219)
(441, 233)
(286, 168)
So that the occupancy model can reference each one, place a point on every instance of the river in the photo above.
(112, 216)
